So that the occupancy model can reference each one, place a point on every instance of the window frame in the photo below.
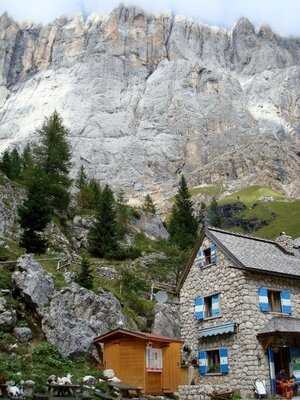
(215, 372)
(211, 316)
(272, 300)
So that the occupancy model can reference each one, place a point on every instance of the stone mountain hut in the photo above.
(150, 362)
(240, 312)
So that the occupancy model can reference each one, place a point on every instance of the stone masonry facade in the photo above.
(239, 303)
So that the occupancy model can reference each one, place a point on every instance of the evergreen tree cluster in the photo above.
(45, 173)
(15, 165)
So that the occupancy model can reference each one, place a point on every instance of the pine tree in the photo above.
(15, 165)
(85, 277)
(103, 235)
(27, 164)
(81, 180)
(214, 217)
(183, 225)
(53, 156)
(6, 163)
(34, 214)
(148, 205)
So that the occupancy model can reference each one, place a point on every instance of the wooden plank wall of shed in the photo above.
(132, 362)
(112, 357)
(173, 374)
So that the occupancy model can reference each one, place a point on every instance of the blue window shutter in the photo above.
(213, 252)
(286, 305)
(202, 362)
(216, 305)
(263, 299)
(224, 368)
(199, 260)
(199, 307)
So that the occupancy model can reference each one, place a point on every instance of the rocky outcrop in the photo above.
(71, 317)
(33, 283)
(8, 317)
(76, 316)
(166, 320)
(151, 226)
(23, 334)
(148, 97)
(10, 198)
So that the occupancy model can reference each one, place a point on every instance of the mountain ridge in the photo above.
(148, 97)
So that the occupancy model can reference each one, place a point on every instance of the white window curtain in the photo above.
(154, 361)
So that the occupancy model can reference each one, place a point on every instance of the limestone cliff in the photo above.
(147, 97)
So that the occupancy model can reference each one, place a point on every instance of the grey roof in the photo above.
(281, 325)
(254, 253)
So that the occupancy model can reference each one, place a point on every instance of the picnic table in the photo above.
(64, 390)
(126, 390)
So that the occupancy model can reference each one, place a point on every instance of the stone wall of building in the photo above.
(239, 303)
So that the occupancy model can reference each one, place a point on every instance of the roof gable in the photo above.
(249, 253)
(121, 333)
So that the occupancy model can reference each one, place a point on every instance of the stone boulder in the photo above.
(33, 283)
(151, 226)
(23, 334)
(8, 316)
(76, 316)
(166, 320)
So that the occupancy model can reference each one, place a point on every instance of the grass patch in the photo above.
(51, 267)
(210, 190)
(251, 194)
(281, 215)
(287, 217)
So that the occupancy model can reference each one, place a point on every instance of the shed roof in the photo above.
(121, 333)
(249, 253)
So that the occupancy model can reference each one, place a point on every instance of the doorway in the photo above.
(282, 360)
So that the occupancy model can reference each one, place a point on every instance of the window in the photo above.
(153, 359)
(208, 307)
(274, 300)
(207, 256)
(213, 362)
(271, 300)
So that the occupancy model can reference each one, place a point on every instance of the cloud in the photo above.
(281, 15)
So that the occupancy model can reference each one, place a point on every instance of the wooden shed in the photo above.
(143, 360)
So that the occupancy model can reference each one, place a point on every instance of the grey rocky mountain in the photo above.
(146, 97)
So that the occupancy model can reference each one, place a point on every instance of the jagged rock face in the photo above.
(33, 283)
(10, 198)
(76, 316)
(148, 97)
(167, 320)
(8, 316)
(71, 317)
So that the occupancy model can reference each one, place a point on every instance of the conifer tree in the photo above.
(53, 156)
(85, 277)
(103, 234)
(34, 214)
(214, 217)
(81, 180)
(6, 163)
(148, 205)
(183, 225)
(15, 165)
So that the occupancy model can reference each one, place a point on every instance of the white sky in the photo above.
(282, 15)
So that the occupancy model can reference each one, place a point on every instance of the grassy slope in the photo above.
(282, 215)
